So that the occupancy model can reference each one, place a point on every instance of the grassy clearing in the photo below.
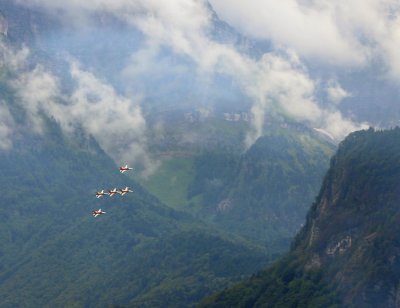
(170, 182)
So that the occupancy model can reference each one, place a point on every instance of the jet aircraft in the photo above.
(113, 192)
(124, 191)
(101, 193)
(123, 169)
(98, 212)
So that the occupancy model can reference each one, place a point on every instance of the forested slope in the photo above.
(347, 254)
(54, 253)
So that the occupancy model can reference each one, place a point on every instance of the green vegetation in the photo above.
(142, 253)
(214, 172)
(171, 181)
(277, 180)
(54, 253)
(285, 284)
(346, 254)
(262, 193)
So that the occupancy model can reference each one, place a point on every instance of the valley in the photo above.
(258, 178)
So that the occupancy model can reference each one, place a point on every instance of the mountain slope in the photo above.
(277, 179)
(54, 253)
(262, 193)
(348, 253)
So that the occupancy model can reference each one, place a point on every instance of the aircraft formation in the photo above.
(112, 192)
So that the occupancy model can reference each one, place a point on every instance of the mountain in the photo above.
(108, 46)
(261, 193)
(347, 254)
(276, 180)
(54, 253)
(112, 49)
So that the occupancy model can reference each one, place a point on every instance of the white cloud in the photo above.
(344, 33)
(336, 126)
(335, 92)
(310, 28)
(6, 127)
(37, 89)
(12, 59)
(114, 120)
(277, 81)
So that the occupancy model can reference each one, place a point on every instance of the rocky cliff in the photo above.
(348, 252)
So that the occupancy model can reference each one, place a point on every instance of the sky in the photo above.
(335, 36)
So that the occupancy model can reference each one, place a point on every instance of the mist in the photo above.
(115, 121)
(141, 54)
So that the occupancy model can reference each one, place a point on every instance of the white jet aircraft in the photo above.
(124, 191)
(113, 192)
(101, 193)
(98, 212)
(123, 169)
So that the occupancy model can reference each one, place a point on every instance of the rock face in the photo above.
(357, 215)
(348, 252)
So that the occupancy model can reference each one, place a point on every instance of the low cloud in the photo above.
(115, 121)
(345, 34)
(336, 126)
(11, 61)
(276, 82)
(6, 127)
(281, 84)
(311, 28)
(37, 90)
(335, 92)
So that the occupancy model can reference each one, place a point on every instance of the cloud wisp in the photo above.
(277, 81)
(335, 92)
(115, 121)
(11, 62)
(350, 33)
(6, 127)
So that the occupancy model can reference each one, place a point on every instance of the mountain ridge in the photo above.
(347, 254)
(262, 193)
(54, 253)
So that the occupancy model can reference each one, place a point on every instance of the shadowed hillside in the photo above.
(347, 254)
